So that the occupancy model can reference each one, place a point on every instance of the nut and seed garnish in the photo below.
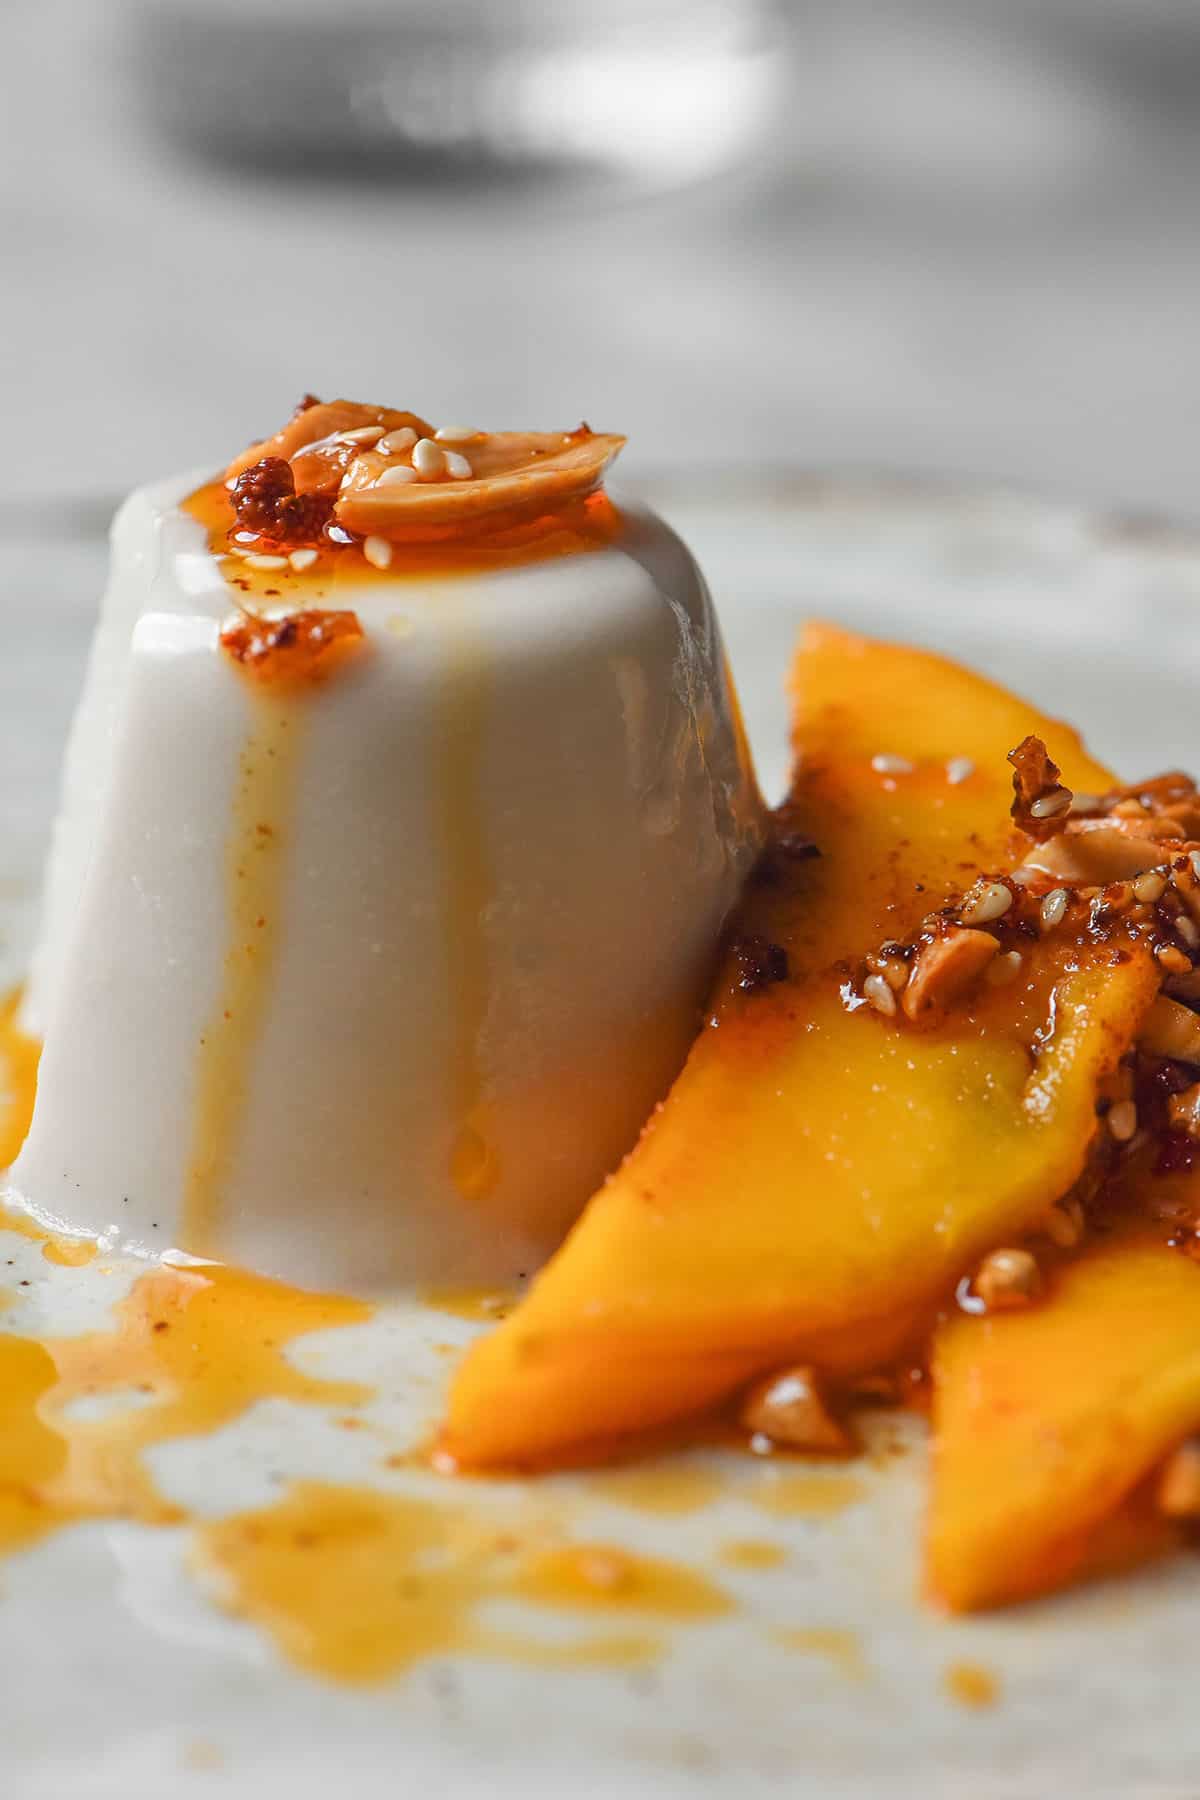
(457, 434)
(944, 969)
(428, 459)
(1122, 1121)
(1150, 887)
(758, 963)
(458, 467)
(789, 1409)
(959, 769)
(299, 649)
(397, 442)
(1054, 908)
(989, 901)
(884, 764)
(395, 475)
(265, 502)
(1178, 1493)
(1007, 1279)
(1040, 800)
(1065, 1223)
(880, 995)
(378, 551)
(1183, 1111)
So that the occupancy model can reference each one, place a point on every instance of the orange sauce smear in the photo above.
(309, 1569)
(350, 1583)
(190, 1350)
(18, 1080)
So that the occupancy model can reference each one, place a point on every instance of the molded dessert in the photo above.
(403, 808)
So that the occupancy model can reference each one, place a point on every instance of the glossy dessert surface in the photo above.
(388, 875)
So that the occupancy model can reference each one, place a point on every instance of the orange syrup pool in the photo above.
(350, 1582)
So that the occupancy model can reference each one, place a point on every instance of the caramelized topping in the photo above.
(303, 647)
(1040, 801)
(373, 471)
(265, 502)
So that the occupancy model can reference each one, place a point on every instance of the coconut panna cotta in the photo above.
(403, 807)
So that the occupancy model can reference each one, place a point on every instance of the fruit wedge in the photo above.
(1046, 1421)
(820, 1175)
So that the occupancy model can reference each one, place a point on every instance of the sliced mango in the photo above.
(1046, 1421)
(819, 1176)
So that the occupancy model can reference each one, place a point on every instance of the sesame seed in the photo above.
(880, 995)
(990, 901)
(302, 559)
(1003, 969)
(378, 551)
(1122, 1121)
(428, 459)
(399, 475)
(891, 765)
(1048, 806)
(959, 768)
(398, 441)
(1054, 906)
(1007, 1278)
(457, 434)
(1150, 887)
(1188, 931)
(258, 561)
(457, 467)
(362, 434)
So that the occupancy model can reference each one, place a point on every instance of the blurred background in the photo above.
(945, 236)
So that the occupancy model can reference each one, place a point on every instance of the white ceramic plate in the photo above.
(121, 1678)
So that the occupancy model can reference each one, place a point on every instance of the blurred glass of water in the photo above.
(623, 95)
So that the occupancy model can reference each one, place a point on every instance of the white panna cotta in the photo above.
(366, 972)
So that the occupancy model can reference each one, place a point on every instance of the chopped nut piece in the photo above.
(1122, 1121)
(946, 968)
(959, 769)
(1007, 1279)
(1183, 1111)
(1173, 959)
(1150, 887)
(1065, 1223)
(1040, 801)
(789, 1409)
(1179, 1482)
(1172, 1030)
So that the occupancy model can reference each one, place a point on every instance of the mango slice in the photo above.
(819, 1176)
(1046, 1421)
